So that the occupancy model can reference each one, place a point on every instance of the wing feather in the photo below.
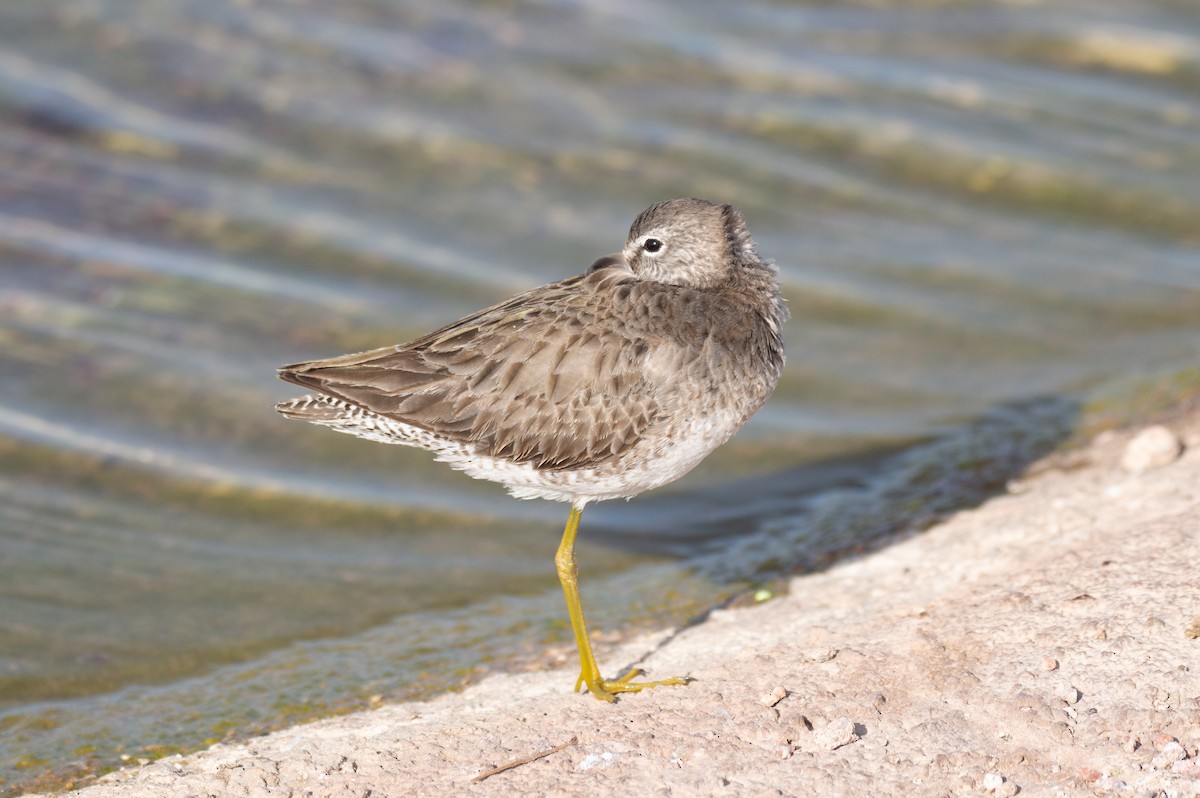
(552, 378)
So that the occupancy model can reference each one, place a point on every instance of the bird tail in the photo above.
(318, 409)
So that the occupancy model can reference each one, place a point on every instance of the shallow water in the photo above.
(971, 203)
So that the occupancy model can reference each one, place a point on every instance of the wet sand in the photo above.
(1046, 642)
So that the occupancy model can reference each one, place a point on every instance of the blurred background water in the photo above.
(972, 202)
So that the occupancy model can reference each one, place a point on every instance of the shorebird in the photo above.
(600, 386)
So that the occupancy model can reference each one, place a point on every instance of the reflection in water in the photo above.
(969, 204)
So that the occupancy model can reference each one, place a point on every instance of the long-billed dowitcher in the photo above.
(600, 386)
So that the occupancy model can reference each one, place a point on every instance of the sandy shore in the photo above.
(1044, 643)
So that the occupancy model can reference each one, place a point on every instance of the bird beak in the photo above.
(614, 261)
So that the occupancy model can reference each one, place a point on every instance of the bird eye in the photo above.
(652, 245)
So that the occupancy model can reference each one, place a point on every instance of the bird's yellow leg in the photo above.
(589, 673)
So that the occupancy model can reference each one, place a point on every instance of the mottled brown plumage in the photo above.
(596, 387)
(533, 380)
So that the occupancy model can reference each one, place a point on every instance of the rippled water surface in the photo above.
(971, 204)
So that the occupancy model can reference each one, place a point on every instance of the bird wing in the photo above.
(550, 378)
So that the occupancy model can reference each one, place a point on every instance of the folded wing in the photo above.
(534, 380)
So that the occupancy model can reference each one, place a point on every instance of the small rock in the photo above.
(1171, 752)
(774, 697)
(1068, 694)
(1049, 663)
(821, 654)
(1130, 743)
(590, 761)
(836, 734)
(1162, 739)
(993, 781)
(1192, 630)
(998, 785)
(1153, 447)
(1088, 774)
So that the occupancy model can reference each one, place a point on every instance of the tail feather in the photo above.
(342, 416)
(318, 409)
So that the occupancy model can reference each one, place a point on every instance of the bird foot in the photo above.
(607, 690)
